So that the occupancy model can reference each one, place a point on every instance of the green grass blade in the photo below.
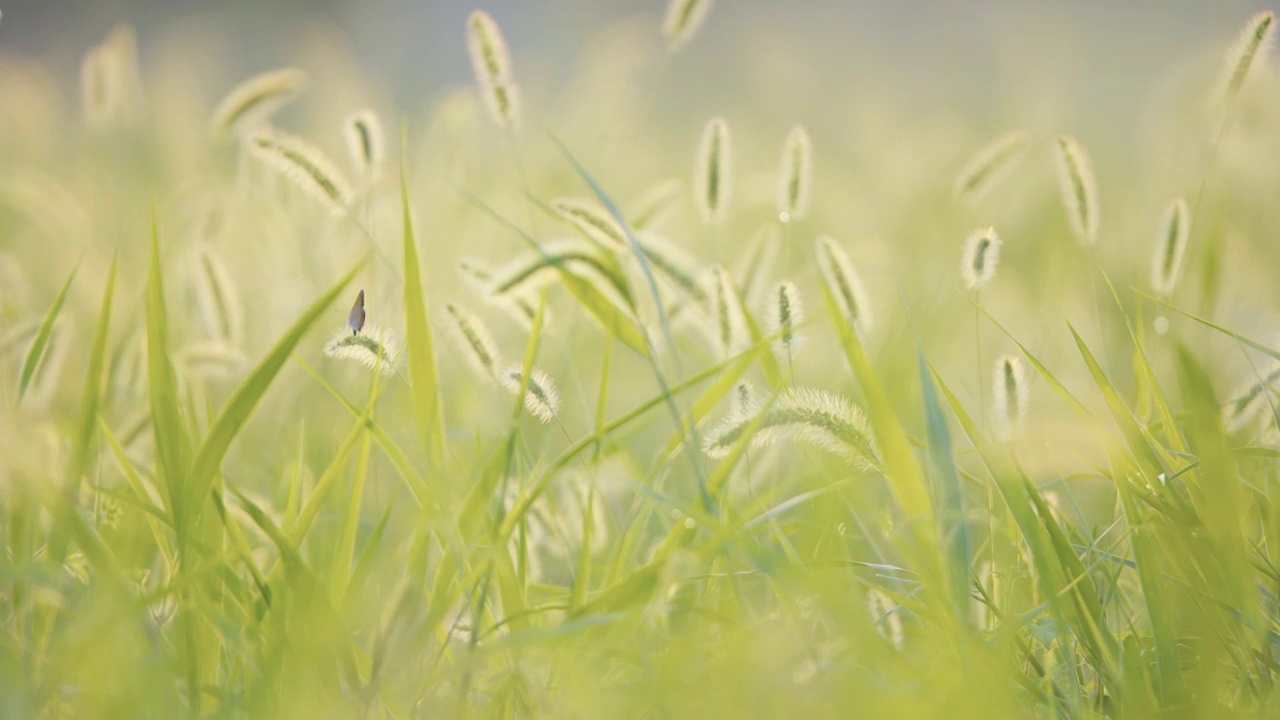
(950, 492)
(42, 337)
(422, 354)
(173, 446)
(91, 398)
(1058, 388)
(243, 401)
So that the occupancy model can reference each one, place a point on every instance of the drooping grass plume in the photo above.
(212, 360)
(713, 172)
(1079, 189)
(250, 105)
(784, 313)
(655, 205)
(542, 399)
(820, 418)
(491, 64)
(474, 341)
(304, 165)
(521, 307)
(795, 176)
(1249, 51)
(590, 219)
(673, 262)
(1250, 401)
(990, 164)
(217, 298)
(884, 615)
(1011, 396)
(374, 347)
(840, 275)
(727, 324)
(1171, 247)
(366, 144)
(682, 21)
(981, 258)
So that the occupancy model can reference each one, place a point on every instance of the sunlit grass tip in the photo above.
(306, 166)
(820, 418)
(1250, 50)
(1171, 248)
(712, 172)
(1079, 188)
(474, 341)
(884, 615)
(373, 347)
(217, 298)
(542, 399)
(981, 258)
(838, 271)
(491, 64)
(784, 313)
(727, 323)
(251, 104)
(795, 176)
(1011, 396)
(366, 144)
(990, 164)
(682, 21)
(590, 218)
(656, 204)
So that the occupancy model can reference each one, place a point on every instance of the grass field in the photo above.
(909, 416)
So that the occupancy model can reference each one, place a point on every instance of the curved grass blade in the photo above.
(173, 446)
(422, 355)
(92, 397)
(42, 337)
(949, 489)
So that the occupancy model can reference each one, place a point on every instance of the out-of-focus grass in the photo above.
(204, 514)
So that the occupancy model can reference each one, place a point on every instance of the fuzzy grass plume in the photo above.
(990, 164)
(981, 258)
(1011, 396)
(884, 616)
(682, 21)
(1250, 401)
(541, 399)
(1170, 248)
(795, 176)
(712, 172)
(727, 324)
(306, 166)
(820, 418)
(1249, 51)
(373, 347)
(784, 313)
(474, 342)
(1079, 189)
(521, 307)
(590, 219)
(251, 104)
(366, 144)
(656, 204)
(491, 65)
(838, 271)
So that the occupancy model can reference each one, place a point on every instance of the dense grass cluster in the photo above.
(652, 422)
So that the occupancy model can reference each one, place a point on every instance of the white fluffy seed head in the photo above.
(981, 258)
(474, 341)
(541, 399)
(884, 615)
(727, 323)
(251, 104)
(366, 143)
(592, 220)
(1171, 248)
(784, 313)
(795, 176)
(820, 418)
(1249, 51)
(712, 172)
(373, 347)
(843, 282)
(990, 164)
(491, 64)
(1079, 189)
(1011, 396)
(682, 21)
(304, 165)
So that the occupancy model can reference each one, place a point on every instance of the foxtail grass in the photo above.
(1079, 189)
(366, 144)
(474, 342)
(250, 105)
(991, 164)
(820, 418)
(981, 258)
(541, 397)
(374, 347)
(838, 270)
(1011, 396)
(491, 65)
(713, 172)
(795, 176)
(682, 21)
(306, 167)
